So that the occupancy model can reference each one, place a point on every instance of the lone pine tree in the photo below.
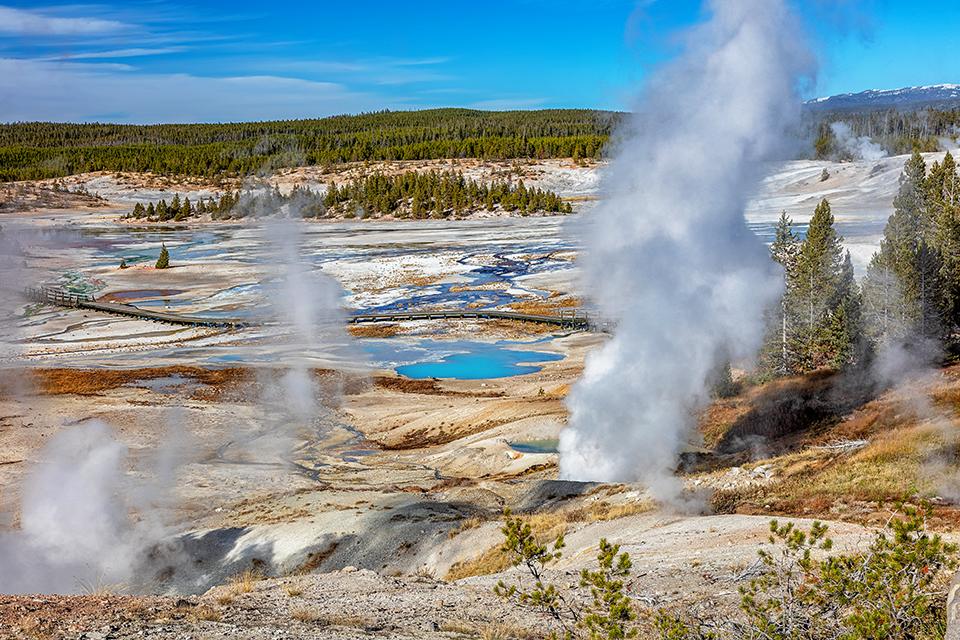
(163, 261)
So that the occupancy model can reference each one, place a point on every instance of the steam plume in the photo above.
(850, 146)
(84, 521)
(667, 254)
(76, 532)
(302, 308)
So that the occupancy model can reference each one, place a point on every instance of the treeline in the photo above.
(36, 150)
(435, 194)
(897, 132)
(408, 195)
(910, 295)
(234, 205)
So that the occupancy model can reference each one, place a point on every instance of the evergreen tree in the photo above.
(163, 261)
(151, 212)
(883, 302)
(817, 270)
(943, 190)
(908, 264)
(163, 213)
(139, 211)
(846, 343)
(779, 353)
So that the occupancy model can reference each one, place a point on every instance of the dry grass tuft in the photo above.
(425, 572)
(489, 631)
(603, 511)
(204, 613)
(244, 582)
(98, 588)
(546, 527)
(493, 560)
(465, 525)
(304, 614)
(293, 590)
(504, 631)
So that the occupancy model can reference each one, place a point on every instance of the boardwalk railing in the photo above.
(566, 319)
(573, 319)
(57, 296)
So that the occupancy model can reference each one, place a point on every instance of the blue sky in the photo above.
(154, 61)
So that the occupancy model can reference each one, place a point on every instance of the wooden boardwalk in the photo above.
(59, 297)
(568, 319)
(572, 319)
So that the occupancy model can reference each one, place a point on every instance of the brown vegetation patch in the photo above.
(853, 484)
(236, 383)
(514, 329)
(418, 280)
(374, 330)
(427, 387)
(794, 408)
(546, 527)
(546, 307)
(94, 381)
(837, 446)
(717, 418)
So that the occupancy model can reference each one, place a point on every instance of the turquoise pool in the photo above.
(459, 360)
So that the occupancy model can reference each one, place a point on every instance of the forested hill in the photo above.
(34, 150)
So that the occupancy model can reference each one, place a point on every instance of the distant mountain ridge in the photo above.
(904, 99)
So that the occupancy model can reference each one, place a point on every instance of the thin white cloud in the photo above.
(136, 52)
(20, 22)
(378, 71)
(77, 92)
(417, 62)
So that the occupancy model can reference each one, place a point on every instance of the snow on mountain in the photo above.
(937, 95)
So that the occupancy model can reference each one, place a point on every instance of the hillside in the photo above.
(36, 150)
(899, 120)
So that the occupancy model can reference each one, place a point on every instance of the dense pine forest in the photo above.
(910, 295)
(408, 195)
(37, 150)
(44, 150)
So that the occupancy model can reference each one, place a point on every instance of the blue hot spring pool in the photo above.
(458, 360)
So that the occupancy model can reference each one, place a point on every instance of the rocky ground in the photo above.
(679, 560)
